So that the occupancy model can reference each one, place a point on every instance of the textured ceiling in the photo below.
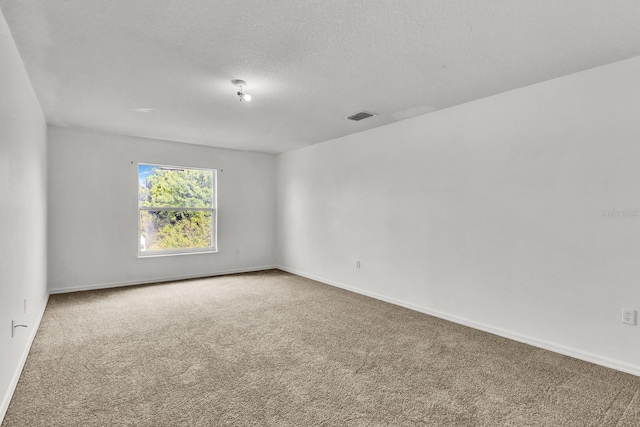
(309, 64)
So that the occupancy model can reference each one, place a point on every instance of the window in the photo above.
(176, 210)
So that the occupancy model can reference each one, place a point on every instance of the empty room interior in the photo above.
(321, 213)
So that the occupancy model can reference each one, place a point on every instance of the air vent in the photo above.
(360, 116)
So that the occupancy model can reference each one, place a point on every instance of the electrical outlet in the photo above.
(629, 317)
(357, 264)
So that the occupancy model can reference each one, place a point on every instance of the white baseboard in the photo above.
(23, 359)
(156, 280)
(556, 348)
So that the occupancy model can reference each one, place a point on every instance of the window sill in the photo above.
(156, 254)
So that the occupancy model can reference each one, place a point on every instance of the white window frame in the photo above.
(214, 215)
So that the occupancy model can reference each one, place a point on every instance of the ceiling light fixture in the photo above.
(243, 96)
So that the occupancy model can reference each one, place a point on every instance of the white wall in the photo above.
(23, 207)
(93, 238)
(488, 213)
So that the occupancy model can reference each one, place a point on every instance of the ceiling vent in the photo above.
(360, 116)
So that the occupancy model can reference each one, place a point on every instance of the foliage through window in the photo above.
(176, 209)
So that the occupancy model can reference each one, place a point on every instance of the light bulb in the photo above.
(246, 97)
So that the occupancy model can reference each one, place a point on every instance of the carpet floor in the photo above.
(275, 349)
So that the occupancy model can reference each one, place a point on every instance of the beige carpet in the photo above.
(274, 349)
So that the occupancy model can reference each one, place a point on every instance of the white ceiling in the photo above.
(309, 63)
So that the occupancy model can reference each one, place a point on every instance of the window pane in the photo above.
(161, 186)
(175, 229)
